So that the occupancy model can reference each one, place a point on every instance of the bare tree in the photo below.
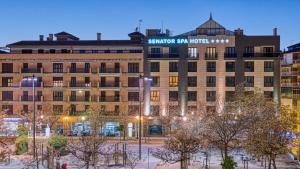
(86, 149)
(132, 159)
(180, 146)
(267, 135)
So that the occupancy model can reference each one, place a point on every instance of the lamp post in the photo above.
(141, 82)
(33, 79)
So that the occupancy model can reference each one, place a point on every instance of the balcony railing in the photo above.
(80, 84)
(230, 55)
(27, 84)
(31, 70)
(79, 70)
(109, 70)
(115, 84)
(261, 54)
(109, 99)
(211, 56)
(163, 55)
(79, 98)
(111, 113)
(30, 98)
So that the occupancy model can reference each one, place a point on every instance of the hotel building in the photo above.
(290, 79)
(189, 73)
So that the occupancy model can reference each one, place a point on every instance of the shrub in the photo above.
(58, 142)
(22, 130)
(21, 144)
(228, 163)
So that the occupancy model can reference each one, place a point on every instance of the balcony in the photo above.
(163, 55)
(31, 70)
(109, 84)
(79, 98)
(230, 55)
(26, 98)
(109, 98)
(193, 55)
(79, 70)
(261, 54)
(111, 113)
(29, 84)
(80, 85)
(110, 70)
(211, 56)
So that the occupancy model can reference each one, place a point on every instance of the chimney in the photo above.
(41, 37)
(274, 31)
(168, 32)
(98, 36)
(50, 38)
(239, 32)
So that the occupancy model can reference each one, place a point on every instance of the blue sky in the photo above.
(26, 19)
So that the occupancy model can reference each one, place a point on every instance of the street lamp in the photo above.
(141, 82)
(33, 79)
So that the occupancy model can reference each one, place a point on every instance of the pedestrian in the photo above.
(57, 164)
(64, 165)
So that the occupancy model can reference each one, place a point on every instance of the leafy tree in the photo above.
(228, 163)
(58, 142)
(21, 144)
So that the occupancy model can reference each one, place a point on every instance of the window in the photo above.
(173, 95)
(154, 110)
(230, 52)
(58, 109)
(133, 110)
(211, 66)
(192, 110)
(40, 50)
(173, 81)
(174, 110)
(268, 94)
(230, 66)
(229, 96)
(65, 51)
(7, 68)
(52, 51)
(249, 81)
(268, 50)
(58, 67)
(210, 109)
(133, 68)
(249, 49)
(192, 66)
(211, 53)
(133, 81)
(230, 81)
(192, 96)
(211, 81)
(26, 51)
(192, 81)
(155, 66)
(58, 95)
(192, 53)
(155, 81)
(154, 96)
(173, 66)
(7, 95)
(155, 50)
(211, 96)
(133, 96)
(25, 108)
(7, 109)
(58, 82)
(7, 81)
(268, 81)
(40, 107)
(249, 66)
(268, 66)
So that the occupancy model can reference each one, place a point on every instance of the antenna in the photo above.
(139, 27)
(162, 26)
(210, 16)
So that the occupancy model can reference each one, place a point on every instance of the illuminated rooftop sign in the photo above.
(166, 41)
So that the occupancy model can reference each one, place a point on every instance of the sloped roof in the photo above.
(210, 27)
(211, 24)
(63, 33)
